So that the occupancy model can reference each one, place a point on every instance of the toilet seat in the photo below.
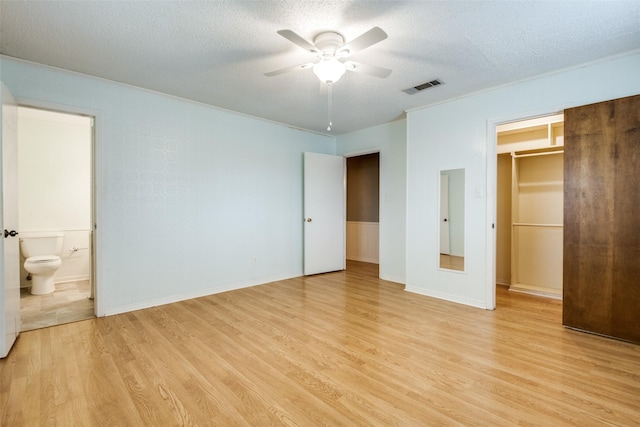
(41, 259)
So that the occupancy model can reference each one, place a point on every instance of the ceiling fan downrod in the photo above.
(330, 106)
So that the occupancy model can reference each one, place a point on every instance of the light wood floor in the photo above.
(336, 349)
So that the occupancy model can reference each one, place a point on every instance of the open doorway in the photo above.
(529, 211)
(55, 186)
(363, 209)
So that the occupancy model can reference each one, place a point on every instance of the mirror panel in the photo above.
(452, 219)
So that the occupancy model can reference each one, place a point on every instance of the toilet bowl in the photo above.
(42, 261)
(42, 269)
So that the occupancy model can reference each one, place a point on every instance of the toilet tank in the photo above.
(40, 243)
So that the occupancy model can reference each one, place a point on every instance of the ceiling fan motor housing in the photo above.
(329, 43)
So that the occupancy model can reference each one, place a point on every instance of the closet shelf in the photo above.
(545, 184)
(541, 153)
(533, 134)
(531, 224)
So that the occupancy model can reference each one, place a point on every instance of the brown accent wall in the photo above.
(363, 183)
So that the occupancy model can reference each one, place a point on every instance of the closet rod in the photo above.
(546, 153)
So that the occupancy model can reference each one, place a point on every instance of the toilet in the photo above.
(41, 250)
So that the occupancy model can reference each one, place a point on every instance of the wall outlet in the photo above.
(254, 260)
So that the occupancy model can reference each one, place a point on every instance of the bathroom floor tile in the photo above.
(69, 303)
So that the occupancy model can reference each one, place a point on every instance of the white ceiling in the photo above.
(217, 52)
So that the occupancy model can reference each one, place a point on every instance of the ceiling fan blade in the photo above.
(371, 37)
(297, 40)
(372, 70)
(289, 69)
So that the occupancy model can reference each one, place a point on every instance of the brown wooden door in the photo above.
(601, 271)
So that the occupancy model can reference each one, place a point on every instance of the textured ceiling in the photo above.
(217, 52)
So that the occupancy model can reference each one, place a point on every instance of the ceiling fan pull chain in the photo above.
(330, 105)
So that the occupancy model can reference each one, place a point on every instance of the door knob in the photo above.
(309, 220)
(11, 233)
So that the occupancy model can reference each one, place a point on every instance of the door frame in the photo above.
(380, 175)
(96, 194)
(492, 191)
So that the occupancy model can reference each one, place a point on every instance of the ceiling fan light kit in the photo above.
(330, 48)
(329, 70)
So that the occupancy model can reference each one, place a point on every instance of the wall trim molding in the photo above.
(363, 241)
(52, 230)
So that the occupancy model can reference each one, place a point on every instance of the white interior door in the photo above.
(444, 214)
(9, 262)
(324, 211)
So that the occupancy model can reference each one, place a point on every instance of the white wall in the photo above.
(390, 140)
(461, 134)
(54, 184)
(54, 166)
(187, 194)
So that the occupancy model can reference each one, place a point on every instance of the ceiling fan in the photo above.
(332, 52)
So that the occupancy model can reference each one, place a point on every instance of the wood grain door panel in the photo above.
(601, 272)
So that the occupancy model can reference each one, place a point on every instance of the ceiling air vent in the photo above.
(423, 86)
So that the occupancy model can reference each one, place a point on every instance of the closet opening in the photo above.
(363, 208)
(530, 200)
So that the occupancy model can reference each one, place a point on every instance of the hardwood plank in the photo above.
(343, 348)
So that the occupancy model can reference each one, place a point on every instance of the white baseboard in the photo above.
(448, 297)
(537, 290)
(364, 259)
(72, 279)
(391, 278)
(67, 279)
